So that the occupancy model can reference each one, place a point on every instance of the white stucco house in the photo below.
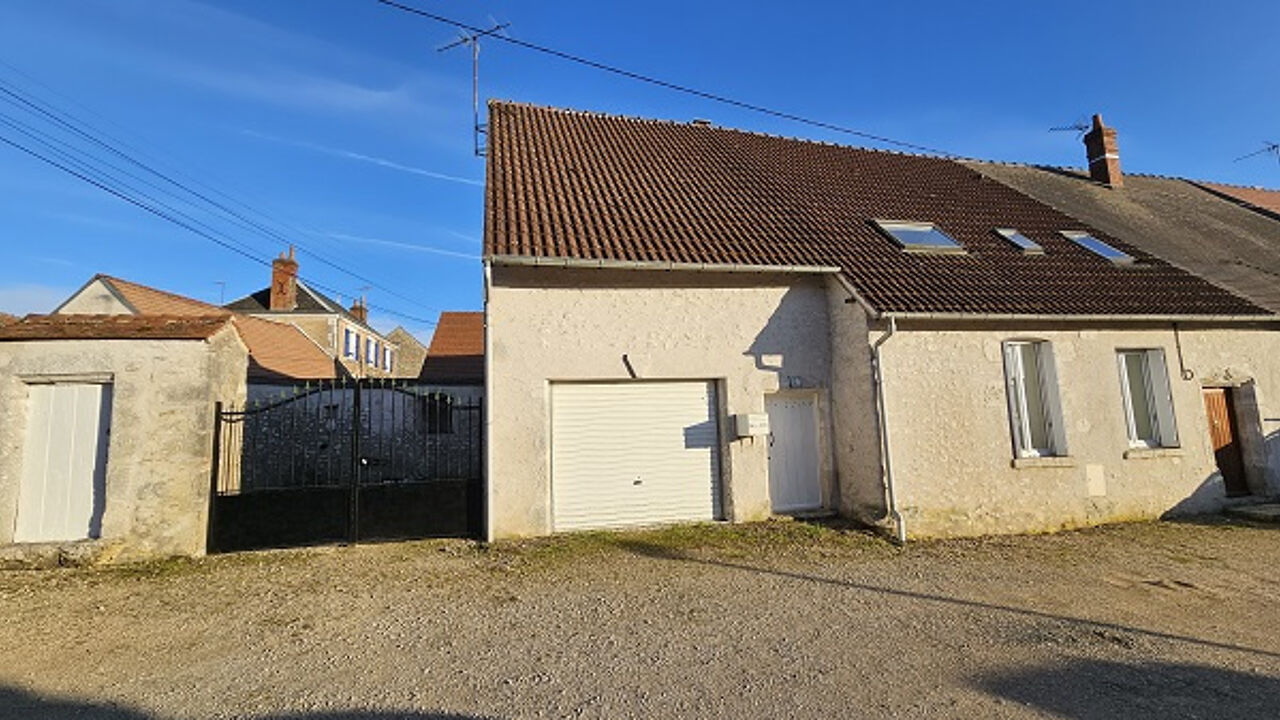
(686, 322)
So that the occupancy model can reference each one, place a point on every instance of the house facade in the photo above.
(687, 322)
(344, 334)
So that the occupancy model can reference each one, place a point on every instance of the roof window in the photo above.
(1097, 247)
(919, 237)
(1022, 242)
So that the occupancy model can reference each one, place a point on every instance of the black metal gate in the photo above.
(347, 460)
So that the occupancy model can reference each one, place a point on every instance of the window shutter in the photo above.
(1013, 391)
(1162, 398)
(1052, 400)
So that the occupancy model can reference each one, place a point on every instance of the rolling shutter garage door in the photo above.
(633, 453)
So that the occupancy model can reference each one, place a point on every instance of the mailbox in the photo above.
(751, 424)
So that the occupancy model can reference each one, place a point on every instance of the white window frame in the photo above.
(370, 351)
(891, 228)
(348, 343)
(1155, 380)
(386, 359)
(1016, 393)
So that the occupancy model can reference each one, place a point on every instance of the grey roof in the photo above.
(1178, 220)
(309, 301)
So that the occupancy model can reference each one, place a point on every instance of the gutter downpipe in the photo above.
(886, 448)
(488, 407)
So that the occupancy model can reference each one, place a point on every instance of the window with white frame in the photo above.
(350, 343)
(1148, 402)
(370, 350)
(1035, 410)
(386, 359)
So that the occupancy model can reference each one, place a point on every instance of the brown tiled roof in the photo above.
(277, 350)
(1232, 246)
(113, 327)
(1256, 196)
(566, 184)
(456, 352)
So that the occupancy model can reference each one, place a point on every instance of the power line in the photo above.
(666, 83)
(65, 120)
(170, 216)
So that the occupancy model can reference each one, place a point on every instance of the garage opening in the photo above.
(634, 453)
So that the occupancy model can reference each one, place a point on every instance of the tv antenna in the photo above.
(473, 41)
(1267, 147)
(1080, 127)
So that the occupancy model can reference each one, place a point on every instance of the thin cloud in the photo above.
(371, 159)
(31, 298)
(403, 245)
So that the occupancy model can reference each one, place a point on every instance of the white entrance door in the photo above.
(633, 453)
(64, 465)
(793, 453)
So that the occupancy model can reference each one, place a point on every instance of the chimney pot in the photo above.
(1103, 153)
(284, 283)
(360, 310)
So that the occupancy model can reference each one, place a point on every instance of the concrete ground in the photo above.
(775, 620)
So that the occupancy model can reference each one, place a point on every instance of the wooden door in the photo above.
(1220, 407)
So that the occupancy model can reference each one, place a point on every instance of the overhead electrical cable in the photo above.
(669, 85)
(69, 123)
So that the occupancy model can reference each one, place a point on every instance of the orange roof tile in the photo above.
(456, 352)
(277, 350)
(1256, 196)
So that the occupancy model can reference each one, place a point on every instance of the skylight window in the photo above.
(1022, 242)
(920, 237)
(1097, 247)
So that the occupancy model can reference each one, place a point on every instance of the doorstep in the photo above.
(1263, 512)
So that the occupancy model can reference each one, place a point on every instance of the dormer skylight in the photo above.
(1020, 241)
(1097, 247)
(919, 237)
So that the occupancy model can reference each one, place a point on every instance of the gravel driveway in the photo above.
(773, 620)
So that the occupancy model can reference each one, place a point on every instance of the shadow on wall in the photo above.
(1211, 495)
(16, 703)
(1088, 689)
(772, 346)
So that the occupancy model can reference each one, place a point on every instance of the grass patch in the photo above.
(774, 537)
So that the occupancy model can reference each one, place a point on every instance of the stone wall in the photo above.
(158, 457)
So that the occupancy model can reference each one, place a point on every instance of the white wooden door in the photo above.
(633, 453)
(64, 462)
(793, 453)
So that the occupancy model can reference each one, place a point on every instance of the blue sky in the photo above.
(341, 124)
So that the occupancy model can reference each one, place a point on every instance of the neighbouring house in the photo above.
(410, 353)
(687, 322)
(456, 353)
(344, 333)
(280, 354)
(107, 440)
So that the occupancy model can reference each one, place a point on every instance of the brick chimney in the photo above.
(284, 282)
(360, 309)
(1104, 154)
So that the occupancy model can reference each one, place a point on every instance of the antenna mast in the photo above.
(473, 40)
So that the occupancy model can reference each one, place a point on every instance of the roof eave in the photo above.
(654, 265)
(1050, 317)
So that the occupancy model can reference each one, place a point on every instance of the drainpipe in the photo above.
(488, 408)
(886, 448)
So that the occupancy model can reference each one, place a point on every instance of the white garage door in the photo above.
(64, 465)
(633, 453)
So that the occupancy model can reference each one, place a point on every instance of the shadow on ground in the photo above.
(1098, 689)
(666, 553)
(16, 703)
